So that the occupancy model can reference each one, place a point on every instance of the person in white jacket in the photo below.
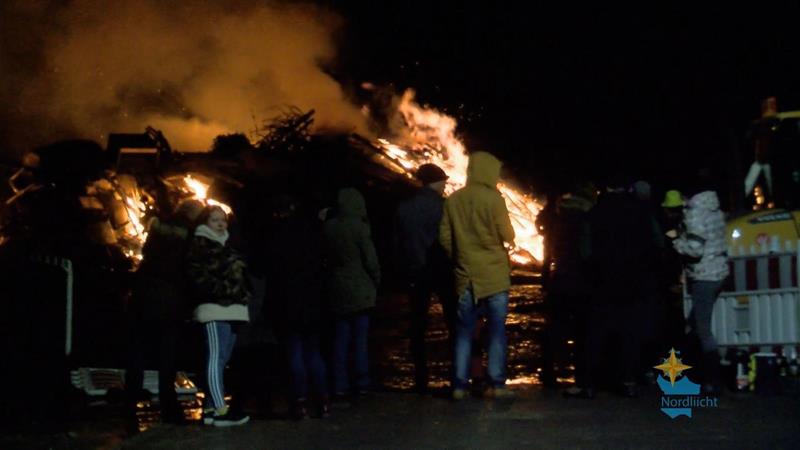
(702, 242)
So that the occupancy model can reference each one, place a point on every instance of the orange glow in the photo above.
(199, 188)
(200, 192)
(522, 380)
(133, 234)
(430, 137)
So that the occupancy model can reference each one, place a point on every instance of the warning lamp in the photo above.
(769, 107)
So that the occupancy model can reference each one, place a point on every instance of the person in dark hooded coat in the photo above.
(353, 275)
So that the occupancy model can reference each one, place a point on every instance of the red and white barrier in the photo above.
(760, 301)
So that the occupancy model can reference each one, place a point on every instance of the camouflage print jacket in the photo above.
(218, 277)
(704, 238)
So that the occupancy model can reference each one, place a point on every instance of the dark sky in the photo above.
(577, 88)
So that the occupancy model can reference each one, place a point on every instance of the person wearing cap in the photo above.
(672, 319)
(476, 232)
(422, 261)
(672, 206)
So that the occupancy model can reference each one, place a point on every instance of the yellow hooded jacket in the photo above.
(474, 226)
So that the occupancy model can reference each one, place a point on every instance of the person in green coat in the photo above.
(474, 231)
(353, 277)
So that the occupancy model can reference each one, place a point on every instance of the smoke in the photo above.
(85, 68)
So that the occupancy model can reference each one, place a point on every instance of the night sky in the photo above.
(659, 91)
(559, 92)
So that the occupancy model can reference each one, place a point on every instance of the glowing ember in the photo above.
(133, 235)
(430, 137)
(199, 190)
(136, 210)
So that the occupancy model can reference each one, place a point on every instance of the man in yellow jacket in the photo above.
(474, 230)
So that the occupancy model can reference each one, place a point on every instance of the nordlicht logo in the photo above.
(680, 396)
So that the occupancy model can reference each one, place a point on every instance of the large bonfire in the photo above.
(430, 137)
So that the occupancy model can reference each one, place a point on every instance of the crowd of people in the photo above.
(613, 267)
(614, 273)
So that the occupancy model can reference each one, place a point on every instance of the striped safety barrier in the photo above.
(759, 305)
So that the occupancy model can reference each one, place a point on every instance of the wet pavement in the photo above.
(394, 417)
(390, 339)
(537, 418)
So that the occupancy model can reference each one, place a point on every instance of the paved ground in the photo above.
(536, 419)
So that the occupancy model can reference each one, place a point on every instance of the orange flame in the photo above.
(430, 137)
(134, 233)
(200, 192)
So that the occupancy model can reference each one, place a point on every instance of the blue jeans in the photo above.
(305, 364)
(704, 295)
(220, 339)
(495, 308)
(355, 329)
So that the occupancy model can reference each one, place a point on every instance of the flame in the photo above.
(136, 211)
(134, 233)
(198, 188)
(199, 191)
(430, 137)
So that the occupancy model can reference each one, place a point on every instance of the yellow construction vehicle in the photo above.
(771, 185)
(760, 301)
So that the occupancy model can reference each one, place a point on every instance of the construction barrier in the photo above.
(759, 305)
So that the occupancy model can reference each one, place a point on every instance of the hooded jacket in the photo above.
(704, 238)
(218, 277)
(352, 263)
(475, 224)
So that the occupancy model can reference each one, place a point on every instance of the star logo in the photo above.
(672, 367)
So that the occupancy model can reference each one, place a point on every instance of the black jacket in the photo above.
(623, 248)
(160, 288)
(294, 273)
(417, 231)
(564, 230)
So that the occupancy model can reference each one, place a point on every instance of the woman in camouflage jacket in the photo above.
(218, 277)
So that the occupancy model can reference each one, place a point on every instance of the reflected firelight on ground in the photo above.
(524, 326)
(394, 369)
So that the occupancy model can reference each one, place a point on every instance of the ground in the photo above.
(537, 418)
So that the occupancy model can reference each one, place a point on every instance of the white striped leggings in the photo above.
(220, 339)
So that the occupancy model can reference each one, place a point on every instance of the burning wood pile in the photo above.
(430, 137)
(144, 176)
(138, 206)
(67, 200)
